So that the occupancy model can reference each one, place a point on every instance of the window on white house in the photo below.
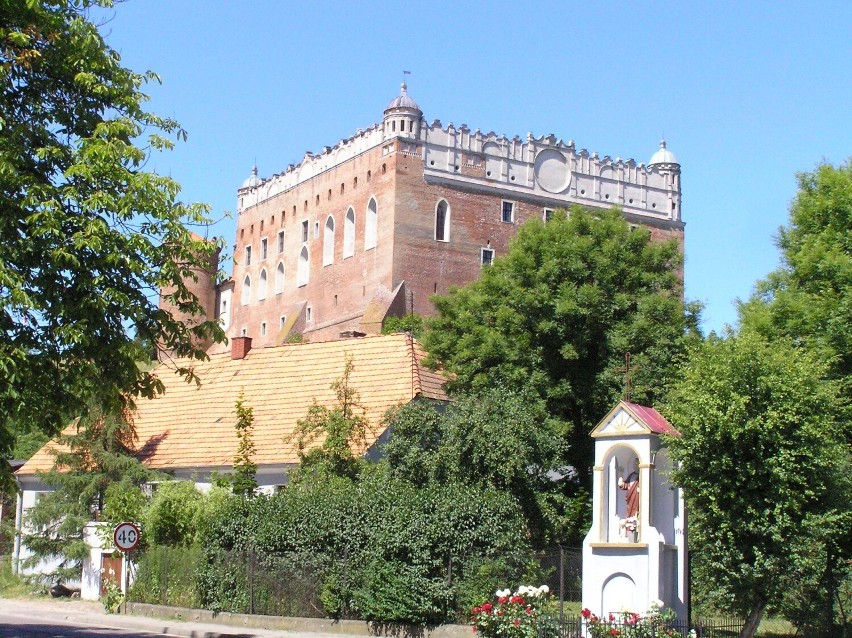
(262, 328)
(316, 230)
(302, 273)
(547, 215)
(486, 256)
(248, 256)
(246, 298)
(328, 242)
(442, 221)
(508, 212)
(279, 278)
(261, 287)
(304, 231)
(371, 225)
(264, 248)
(349, 233)
(280, 241)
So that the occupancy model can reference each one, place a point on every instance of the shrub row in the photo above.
(379, 549)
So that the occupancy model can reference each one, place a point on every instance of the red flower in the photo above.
(611, 618)
(586, 613)
(529, 610)
(517, 622)
(487, 607)
(476, 610)
(503, 600)
(517, 600)
(614, 632)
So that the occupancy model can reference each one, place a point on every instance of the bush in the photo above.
(173, 515)
(168, 576)
(395, 592)
(381, 549)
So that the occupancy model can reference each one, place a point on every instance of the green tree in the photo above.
(558, 314)
(763, 462)
(98, 453)
(809, 299)
(495, 438)
(332, 439)
(245, 469)
(89, 236)
(173, 516)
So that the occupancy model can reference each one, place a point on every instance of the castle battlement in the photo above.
(545, 167)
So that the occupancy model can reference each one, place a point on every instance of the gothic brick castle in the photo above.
(373, 226)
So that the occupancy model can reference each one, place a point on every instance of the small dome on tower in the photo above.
(252, 180)
(402, 101)
(663, 156)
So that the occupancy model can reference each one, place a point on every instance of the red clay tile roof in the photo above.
(653, 419)
(193, 426)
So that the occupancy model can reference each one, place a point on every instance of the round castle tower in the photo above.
(402, 116)
(202, 284)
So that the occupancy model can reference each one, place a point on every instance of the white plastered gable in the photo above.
(620, 421)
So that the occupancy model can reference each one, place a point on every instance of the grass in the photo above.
(11, 585)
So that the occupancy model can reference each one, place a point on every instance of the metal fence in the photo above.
(579, 627)
(292, 585)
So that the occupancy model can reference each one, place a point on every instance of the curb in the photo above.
(319, 626)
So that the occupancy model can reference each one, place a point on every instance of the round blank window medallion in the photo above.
(551, 171)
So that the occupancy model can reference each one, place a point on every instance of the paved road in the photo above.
(82, 619)
(15, 626)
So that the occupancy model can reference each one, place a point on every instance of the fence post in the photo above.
(164, 594)
(251, 580)
(561, 585)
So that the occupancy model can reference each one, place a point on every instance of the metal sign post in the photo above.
(125, 537)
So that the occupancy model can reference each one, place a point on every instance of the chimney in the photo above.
(240, 347)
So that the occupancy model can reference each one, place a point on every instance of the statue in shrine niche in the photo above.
(631, 485)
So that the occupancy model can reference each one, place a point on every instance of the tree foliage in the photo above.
(763, 461)
(94, 455)
(89, 236)
(495, 438)
(332, 439)
(245, 469)
(559, 312)
(809, 299)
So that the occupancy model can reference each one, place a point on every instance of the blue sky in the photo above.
(746, 93)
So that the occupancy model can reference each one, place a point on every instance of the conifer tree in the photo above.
(91, 455)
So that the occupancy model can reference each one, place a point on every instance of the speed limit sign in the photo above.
(125, 536)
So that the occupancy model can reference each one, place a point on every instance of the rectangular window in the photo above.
(547, 215)
(264, 248)
(316, 230)
(248, 256)
(280, 242)
(487, 256)
(304, 231)
(508, 212)
(262, 328)
(282, 320)
(308, 313)
(244, 332)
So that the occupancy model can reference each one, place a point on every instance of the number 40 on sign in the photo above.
(125, 536)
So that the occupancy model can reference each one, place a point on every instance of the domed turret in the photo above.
(252, 180)
(663, 156)
(402, 116)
